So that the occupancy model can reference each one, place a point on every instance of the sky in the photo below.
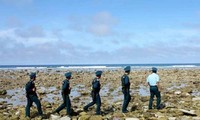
(99, 31)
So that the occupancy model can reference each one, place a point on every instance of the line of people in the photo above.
(152, 80)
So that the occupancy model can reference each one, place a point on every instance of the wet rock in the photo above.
(3, 92)
(187, 112)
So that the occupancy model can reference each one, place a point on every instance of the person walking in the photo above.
(66, 89)
(31, 96)
(96, 99)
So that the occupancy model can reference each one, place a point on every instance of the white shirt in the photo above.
(153, 79)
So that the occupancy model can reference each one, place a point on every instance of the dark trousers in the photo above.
(154, 91)
(127, 98)
(66, 103)
(30, 100)
(96, 99)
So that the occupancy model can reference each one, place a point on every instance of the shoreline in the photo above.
(180, 88)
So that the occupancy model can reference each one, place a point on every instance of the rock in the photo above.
(186, 118)
(133, 107)
(84, 117)
(191, 112)
(41, 91)
(96, 117)
(3, 92)
(82, 113)
(118, 114)
(195, 118)
(196, 99)
(162, 118)
(145, 108)
(177, 92)
(17, 113)
(65, 118)
(47, 105)
(172, 118)
(132, 119)
(54, 117)
(3, 106)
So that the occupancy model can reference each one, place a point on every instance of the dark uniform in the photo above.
(32, 96)
(65, 95)
(96, 99)
(126, 89)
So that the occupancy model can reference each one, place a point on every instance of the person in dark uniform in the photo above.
(126, 89)
(96, 99)
(153, 82)
(66, 89)
(32, 96)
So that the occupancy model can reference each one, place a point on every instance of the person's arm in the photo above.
(147, 82)
(158, 85)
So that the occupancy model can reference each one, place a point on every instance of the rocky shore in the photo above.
(180, 93)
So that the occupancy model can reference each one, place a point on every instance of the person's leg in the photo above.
(62, 106)
(38, 104)
(98, 103)
(91, 103)
(125, 101)
(29, 104)
(68, 105)
(158, 96)
(128, 99)
(152, 93)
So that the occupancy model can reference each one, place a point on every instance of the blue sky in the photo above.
(99, 31)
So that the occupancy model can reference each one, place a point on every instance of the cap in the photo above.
(154, 69)
(98, 73)
(68, 74)
(127, 68)
(32, 75)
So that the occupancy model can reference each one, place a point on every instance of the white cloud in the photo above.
(102, 24)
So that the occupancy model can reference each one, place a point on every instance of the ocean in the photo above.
(101, 66)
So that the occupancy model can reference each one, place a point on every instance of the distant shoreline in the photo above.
(101, 66)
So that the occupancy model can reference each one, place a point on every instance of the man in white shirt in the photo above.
(153, 82)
